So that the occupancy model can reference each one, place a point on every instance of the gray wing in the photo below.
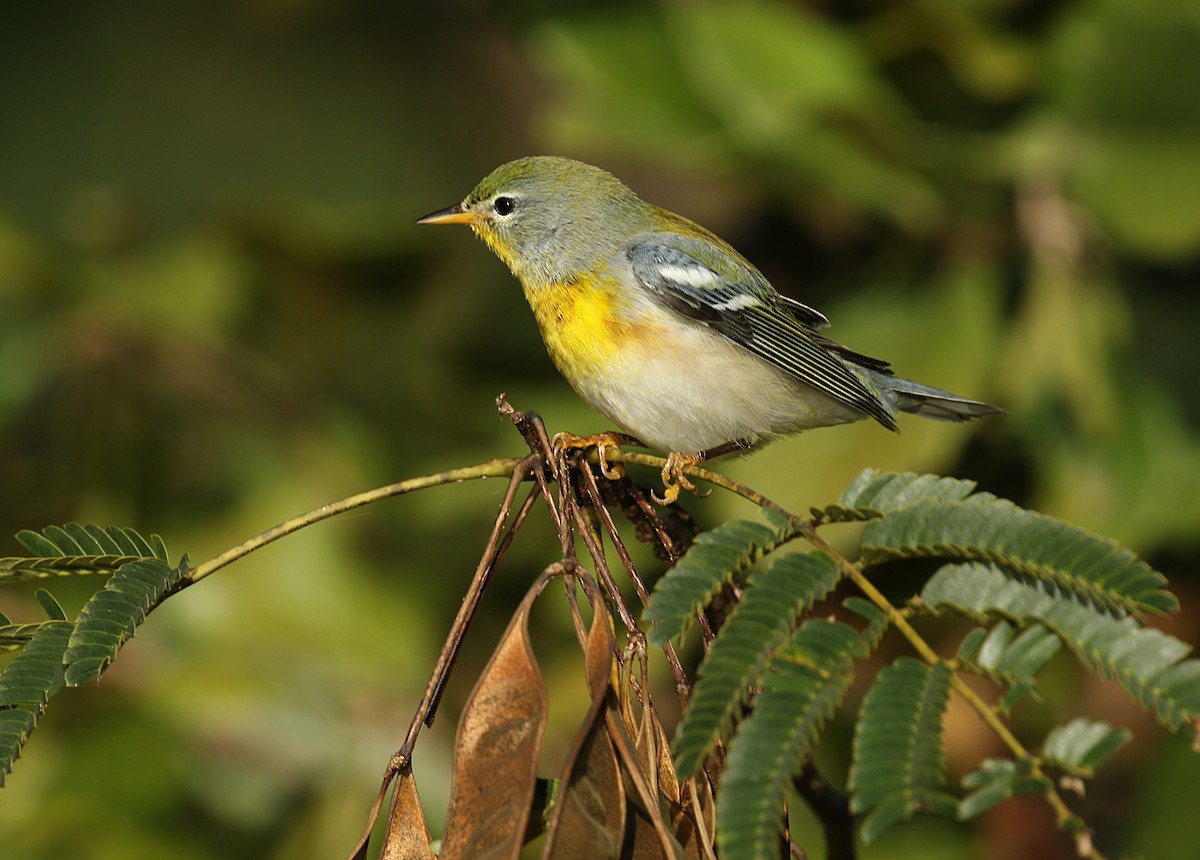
(702, 282)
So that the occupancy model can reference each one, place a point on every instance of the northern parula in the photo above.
(667, 330)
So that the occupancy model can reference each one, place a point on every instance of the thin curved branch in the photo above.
(501, 468)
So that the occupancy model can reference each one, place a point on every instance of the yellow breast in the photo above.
(582, 327)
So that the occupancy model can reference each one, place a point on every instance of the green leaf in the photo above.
(15, 636)
(776, 519)
(83, 539)
(19, 569)
(997, 780)
(79, 549)
(1010, 657)
(899, 760)
(807, 680)
(26, 684)
(62, 541)
(877, 625)
(887, 492)
(1080, 745)
(36, 673)
(1023, 655)
(159, 548)
(1027, 544)
(50, 606)
(715, 557)
(112, 614)
(774, 599)
(1144, 661)
(839, 514)
(970, 644)
(15, 726)
(105, 542)
(37, 544)
(872, 494)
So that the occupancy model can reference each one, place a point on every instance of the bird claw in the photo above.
(673, 478)
(675, 481)
(602, 442)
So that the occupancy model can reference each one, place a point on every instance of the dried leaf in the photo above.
(668, 780)
(684, 828)
(496, 749)
(407, 835)
(650, 835)
(695, 824)
(601, 648)
(645, 842)
(589, 819)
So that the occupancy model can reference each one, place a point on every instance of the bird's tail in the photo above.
(930, 402)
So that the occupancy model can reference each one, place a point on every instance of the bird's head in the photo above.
(548, 218)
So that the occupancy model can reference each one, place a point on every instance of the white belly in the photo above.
(720, 393)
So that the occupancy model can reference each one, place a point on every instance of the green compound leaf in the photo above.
(1080, 745)
(893, 491)
(877, 625)
(78, 549)
(1028, 545)
(1010, 656)
(838, 514)
(15, 726)
(873, 494)
(774, 599)
(27, 684)
(714, 558)
(899, 760)
(807, 679)
(1144, 661)
(112, 614)
(16, 636)
(36, 673)
(997, 780)
(1022, 655)
(969, 647)
(50, 605)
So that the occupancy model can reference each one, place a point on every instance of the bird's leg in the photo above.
(727, 448)
(672, 473)
(674, 481)
(602, 442)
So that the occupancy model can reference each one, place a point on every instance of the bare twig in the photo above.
(682, 687)
(831, 808)
(483, 573)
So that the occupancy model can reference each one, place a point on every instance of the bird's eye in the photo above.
(504, 205)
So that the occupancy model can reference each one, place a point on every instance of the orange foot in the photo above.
(673, 478)
(602, 442)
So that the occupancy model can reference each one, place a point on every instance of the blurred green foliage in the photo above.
(215, 313)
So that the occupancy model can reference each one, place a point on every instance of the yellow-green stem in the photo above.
(491, 469)
(620, 455)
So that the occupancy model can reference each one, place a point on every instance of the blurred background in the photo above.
(216, 313)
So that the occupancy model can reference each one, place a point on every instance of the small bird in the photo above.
(665, 329)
